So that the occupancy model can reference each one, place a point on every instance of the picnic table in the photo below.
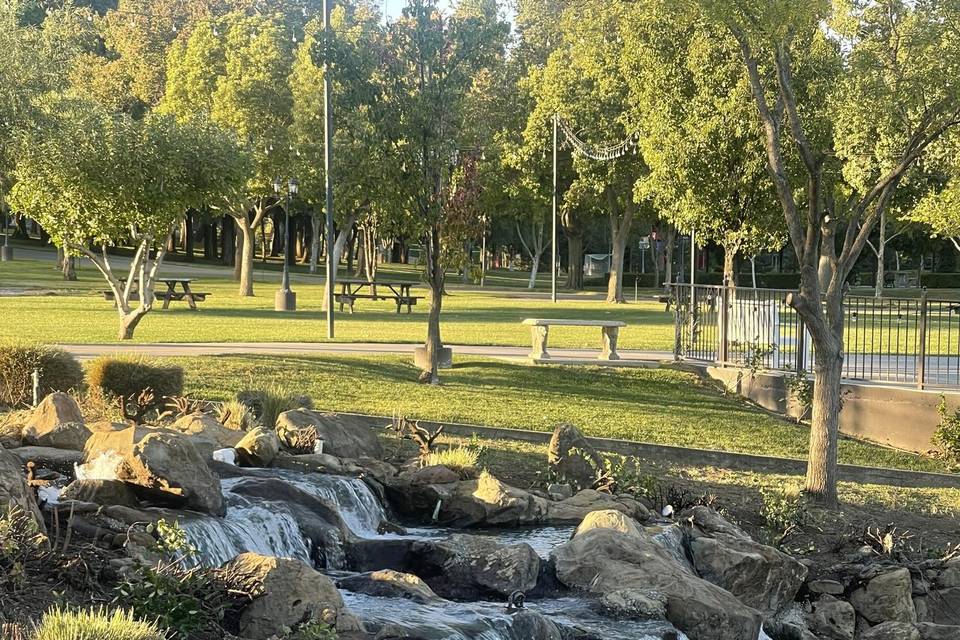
(171, 294)
(399, 292)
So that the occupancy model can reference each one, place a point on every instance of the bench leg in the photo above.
(539, 335)
(166, 302)
(610, 335)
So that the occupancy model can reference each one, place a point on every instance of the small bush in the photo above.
(312, 631)
(461, 459)
(267, 404)
(947, 435)
(783, 509)
(236, 415)
(128, 377)
(63, 624)
(59, 371)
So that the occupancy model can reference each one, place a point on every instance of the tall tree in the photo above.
(436, 58)
(859, 103)
(95, 179)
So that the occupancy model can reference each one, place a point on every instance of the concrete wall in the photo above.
(892, 416)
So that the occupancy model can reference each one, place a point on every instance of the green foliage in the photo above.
(191, 603)
(947, 435)
(622, 474)
(172, 539)
(95, 624)
(800, 388)
(312, 630)
(59, 371)
(21, 541)
(237, 415)
(267, 404)
(783, 510)
(127, 377)
(940, 280)
(463, 460)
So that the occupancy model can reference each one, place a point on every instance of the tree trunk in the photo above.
(881, 254)
(620, 224)
(729, 265)
(338, 247)
(241, 242)
(69, 268)
(247, 256)
(276, 244)
(314, 243)
(436, 278)
(189, 239)
(129, 322)
(821, 482)
(668, 257)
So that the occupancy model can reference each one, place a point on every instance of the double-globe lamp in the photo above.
(285, 299)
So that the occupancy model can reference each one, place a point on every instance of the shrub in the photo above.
(190, 603)
(59, 371)
(95, 624)
(940, 280)
(128, 377)
(236, 415)
(783, 509)
(312, 631)
(267, 404)
(21, 543)
(947, 435)
(461, 459)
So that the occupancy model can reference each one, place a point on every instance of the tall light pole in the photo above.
(554, 252)
(285, 299)
(483, 250)
(328, 164)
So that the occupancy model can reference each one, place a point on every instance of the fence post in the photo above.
(801, 346)
(724, 352)
(677, 319)
(922, 338)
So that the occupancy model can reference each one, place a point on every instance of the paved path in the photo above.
(171, 349)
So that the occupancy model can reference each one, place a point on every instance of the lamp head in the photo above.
(294, 185)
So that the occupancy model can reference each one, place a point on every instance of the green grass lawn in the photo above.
(469, 316)
(661, 406)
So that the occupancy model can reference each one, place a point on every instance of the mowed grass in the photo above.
(651, 405)
(471, 317)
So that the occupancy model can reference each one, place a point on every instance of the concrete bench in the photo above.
(540, 329)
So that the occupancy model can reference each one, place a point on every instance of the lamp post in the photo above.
(285, 299)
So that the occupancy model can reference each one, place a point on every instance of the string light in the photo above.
(602, 153)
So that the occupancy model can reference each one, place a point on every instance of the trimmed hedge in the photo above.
(59, 371)
(129, 376)
(940, 280)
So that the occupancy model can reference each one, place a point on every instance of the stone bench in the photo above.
(540, 329)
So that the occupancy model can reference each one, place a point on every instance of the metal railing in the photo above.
(909, 341)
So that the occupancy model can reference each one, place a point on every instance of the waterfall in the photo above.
(360, 509)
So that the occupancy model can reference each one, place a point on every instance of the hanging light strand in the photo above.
(602, 152)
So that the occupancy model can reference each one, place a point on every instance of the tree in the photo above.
(234, 70)
(92, 178)
(700, 137)
(435, 60)
(858, 104)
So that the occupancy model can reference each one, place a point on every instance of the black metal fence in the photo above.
(914, 341)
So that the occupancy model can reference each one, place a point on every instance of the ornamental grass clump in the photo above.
(462, 460)
(95, 624)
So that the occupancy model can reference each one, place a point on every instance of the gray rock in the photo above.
(559, 491)
(571, 458)
(14, 490)
(343, 435)
(829, 587)
(759, 576)
(602, 561)
(832, 619)
(635, 603)
(258, 447)
(532, 625)
(386, 583)
(609, 519)
(943, 606)
(575, 509)
(465, 567)
(102, 492)
(886, 598)
(892, 631)
(206, 433)
(56, 422)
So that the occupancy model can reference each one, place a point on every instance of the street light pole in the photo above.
(554, 251)
(327, 165)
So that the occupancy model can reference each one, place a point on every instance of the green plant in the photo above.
(463, 460)
(622, 474)
(135, 379)
(800, 389)
(784, 510)
(947, 435)
(95, 624)
(312, 630)
(59, 371)
(237, 415)
(172, 539)
(21, 542)
(267, 404)
(190, 603)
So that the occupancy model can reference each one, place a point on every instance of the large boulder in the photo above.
(531, 625)
(206, 433)
(164, 463)
(892, 631)
(574, 510)
(466, 567)
(344, 436)
(14, 491)
(571, 459)
(942, 606)
(285, 593)
(832, 619)
(886, 598)
(603, 561)
(487, 501)
(759, 576)
(58, 423)
(258, 447)
(609, 519)
(386, 583)
(102, 492)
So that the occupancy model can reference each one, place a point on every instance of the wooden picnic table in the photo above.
(171, 294)
(399, 292)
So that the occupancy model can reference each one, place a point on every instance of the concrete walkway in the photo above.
(172, 349)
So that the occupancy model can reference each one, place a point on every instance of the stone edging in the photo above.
(702, 457)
